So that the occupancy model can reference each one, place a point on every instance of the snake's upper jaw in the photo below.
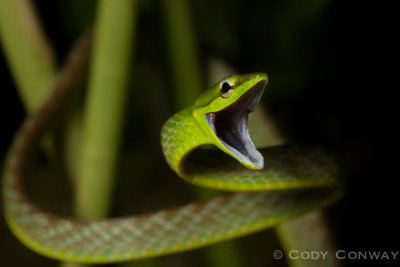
(230, 127)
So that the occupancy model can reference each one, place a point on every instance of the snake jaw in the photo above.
(230, 125)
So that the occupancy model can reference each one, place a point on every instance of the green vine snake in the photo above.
(271, 184)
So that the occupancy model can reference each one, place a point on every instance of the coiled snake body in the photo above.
(294, 180)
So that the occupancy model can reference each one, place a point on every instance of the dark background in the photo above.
(330, 84)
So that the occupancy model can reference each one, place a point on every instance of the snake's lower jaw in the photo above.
(244, 150)
(230, 127)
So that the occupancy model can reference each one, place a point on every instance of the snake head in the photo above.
(222, 113)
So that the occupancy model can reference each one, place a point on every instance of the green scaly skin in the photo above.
(295, 180)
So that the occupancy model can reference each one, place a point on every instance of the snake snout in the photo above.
(230, 125)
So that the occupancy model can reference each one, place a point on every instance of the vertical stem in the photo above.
(185, 68)
(105, 107)
(103, 115)
(187, 84)
(27, 51)
(308, 232)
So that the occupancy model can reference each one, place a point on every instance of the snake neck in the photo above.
(180, 135)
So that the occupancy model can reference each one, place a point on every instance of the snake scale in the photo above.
(294, 180)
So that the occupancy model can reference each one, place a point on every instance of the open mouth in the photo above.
(230, 126)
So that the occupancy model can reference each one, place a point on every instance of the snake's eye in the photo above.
(226, 88)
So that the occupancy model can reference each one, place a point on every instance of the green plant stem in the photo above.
(185, 70)
(187, 84)
(308, 232)
(105, 107)
(29, 55)
(103, 114)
